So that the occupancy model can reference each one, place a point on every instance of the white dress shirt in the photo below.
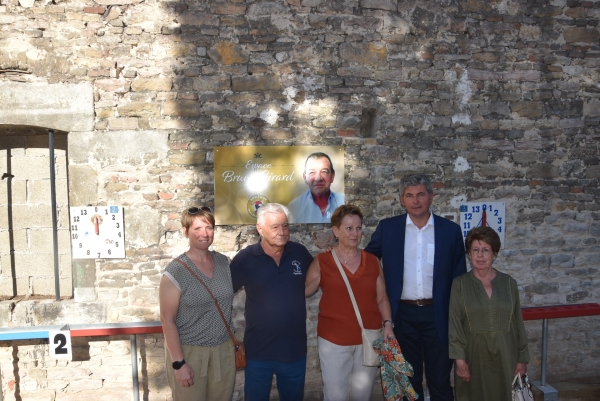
(419, 249)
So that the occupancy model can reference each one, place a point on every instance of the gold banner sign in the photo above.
(309, 180)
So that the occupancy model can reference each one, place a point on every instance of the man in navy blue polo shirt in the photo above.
(273, 273)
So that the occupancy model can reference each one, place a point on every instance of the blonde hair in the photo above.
(188, 216)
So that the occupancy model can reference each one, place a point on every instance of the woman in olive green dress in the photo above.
(486, 330)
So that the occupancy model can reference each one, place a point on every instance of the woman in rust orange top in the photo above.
(339, 337)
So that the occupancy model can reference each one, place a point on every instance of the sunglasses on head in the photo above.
(194, 210)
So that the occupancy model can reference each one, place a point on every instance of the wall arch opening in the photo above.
(26, 229)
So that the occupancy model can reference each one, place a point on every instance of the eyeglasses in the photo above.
(194, 210)
(483, 251)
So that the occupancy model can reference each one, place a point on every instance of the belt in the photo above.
(419, 302)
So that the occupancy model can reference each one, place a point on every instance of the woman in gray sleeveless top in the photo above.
(199, 353)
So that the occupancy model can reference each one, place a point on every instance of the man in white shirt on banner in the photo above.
(318, 203)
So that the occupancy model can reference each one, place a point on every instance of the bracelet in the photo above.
(388, 320)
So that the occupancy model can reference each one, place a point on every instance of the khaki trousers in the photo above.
(214, 373)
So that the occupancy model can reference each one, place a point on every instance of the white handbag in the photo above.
(370, 358)
(521, 388)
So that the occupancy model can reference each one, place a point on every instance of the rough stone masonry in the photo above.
(496, 100)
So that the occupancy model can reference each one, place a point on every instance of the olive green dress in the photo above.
(489, 334)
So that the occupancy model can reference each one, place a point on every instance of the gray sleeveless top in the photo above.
(198, 319)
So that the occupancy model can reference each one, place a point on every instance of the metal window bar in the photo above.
(11, 232)
(54, 215)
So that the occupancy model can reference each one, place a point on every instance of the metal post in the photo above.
(544, 350)
(550, 393)
(134, 368)
(54, 217)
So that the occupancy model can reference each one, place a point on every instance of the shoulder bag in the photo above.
(370, 358)
(240, 350)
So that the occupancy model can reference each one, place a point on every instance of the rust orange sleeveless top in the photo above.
(337, 319)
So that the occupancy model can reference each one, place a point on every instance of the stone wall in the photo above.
(496, 100)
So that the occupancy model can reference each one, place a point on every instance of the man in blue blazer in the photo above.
(421, 254)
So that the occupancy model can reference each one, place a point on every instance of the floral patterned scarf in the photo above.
(394, 371)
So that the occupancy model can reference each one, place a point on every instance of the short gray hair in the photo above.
(414, 180)
(274, 208)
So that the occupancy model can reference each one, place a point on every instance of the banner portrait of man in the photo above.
(307, 179)
(318, 203)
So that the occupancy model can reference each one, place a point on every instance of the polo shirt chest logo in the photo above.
(297, 271)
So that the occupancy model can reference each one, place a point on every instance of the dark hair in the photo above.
(414, 180)
(485, 234)
(319, 155)
(343, 211)
(187, 218)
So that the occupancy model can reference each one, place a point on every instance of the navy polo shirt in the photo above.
(275, 303)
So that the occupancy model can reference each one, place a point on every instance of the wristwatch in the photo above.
(388, 320)
(178, 364)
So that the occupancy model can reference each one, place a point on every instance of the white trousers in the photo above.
(344, 376)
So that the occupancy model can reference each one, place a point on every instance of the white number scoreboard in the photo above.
(487, 214)
(97, 232)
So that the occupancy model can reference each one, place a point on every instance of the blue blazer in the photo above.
(387, 243)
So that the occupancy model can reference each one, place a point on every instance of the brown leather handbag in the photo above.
(240, 350)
